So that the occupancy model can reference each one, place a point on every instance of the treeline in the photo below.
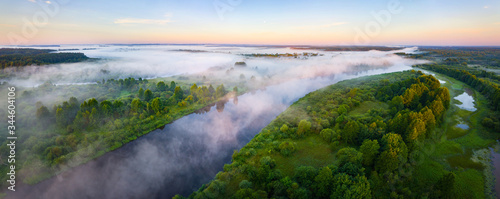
(294, 55)
(126, 119)
(373, 153)
(487, 56)
(348, 48)
(488, 89)
(75, 131)
(25, 57)
(24, 51)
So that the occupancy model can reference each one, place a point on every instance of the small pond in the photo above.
(467, 102)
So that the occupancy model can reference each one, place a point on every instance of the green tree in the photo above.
(172, 86)
(178, 93)
(42, 113)
(342, 109)
(284, 128)
(148, 95)
(396, 104)
(220, 91)
(327, 135)
(211, 90)
(323, 183)
(345, 186)
(287, 148)
(444, 187)
(136, 105)
(395, 153)
(245, 184)
(349, 154)
(351, 132)
(193, 90)
(141, 94)
(416, 131)
(156, 105)
(93, 117)
(61, 118)
(369, 149)
(161, 86)
(305, 175)
(304, 127)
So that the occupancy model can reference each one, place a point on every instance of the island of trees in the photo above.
(17, 57)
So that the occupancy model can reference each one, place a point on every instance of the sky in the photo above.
(292, 22)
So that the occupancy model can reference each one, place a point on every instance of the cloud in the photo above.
(486, 7)
(168, 15)
(48, 2)
(142, 21)
(34, 1)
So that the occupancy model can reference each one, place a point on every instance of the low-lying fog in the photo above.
(191, 150)
(150, 61)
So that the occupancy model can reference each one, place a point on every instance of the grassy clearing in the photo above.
(366, 106)
(469, 183)
(312, 151)
(452, 148)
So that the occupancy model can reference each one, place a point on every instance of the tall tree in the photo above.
(178, 93)
(141, 94)
(161, 86)
(148, 95)
(369, 149)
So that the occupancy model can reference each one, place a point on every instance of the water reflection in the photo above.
(495, 153)
(463, 126)
(467, 102)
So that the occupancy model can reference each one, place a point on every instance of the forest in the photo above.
(75, 131)
(18, 57)
(487, 88)
(346, 48)
(358, 138)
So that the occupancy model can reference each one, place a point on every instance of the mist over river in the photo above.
(189, 152)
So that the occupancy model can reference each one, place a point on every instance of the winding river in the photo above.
(185, 154)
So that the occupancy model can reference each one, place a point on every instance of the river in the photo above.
(185, 154)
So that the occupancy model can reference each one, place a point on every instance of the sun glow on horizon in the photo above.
(36, 22)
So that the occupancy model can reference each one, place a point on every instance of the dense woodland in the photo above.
(489, 89)
(347, 48)
(16, 57)
(484, 56)
(277, 55)
(77, 130)
(354, 139)
(469, 65)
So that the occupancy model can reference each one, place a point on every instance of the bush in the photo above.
(245, 184)
(287, 148)
(304, 127)
(327, 135)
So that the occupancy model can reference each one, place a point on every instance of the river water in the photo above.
(467, 102)
(185, 154)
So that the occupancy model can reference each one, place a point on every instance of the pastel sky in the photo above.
(299, 22)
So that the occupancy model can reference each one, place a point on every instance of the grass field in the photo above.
(367, 105)
(452, 148)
